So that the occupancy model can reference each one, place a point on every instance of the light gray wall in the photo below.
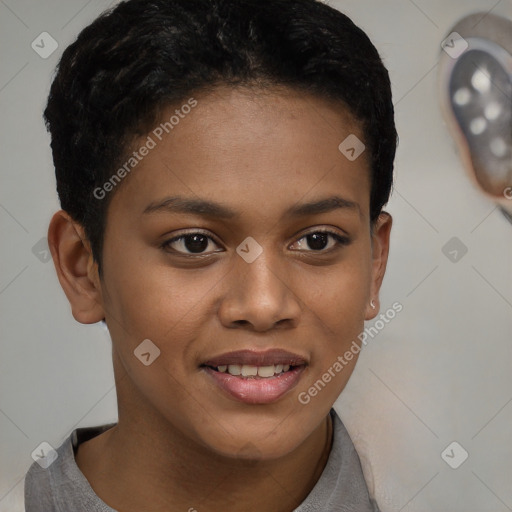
(439, 372)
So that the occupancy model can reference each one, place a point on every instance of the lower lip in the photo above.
(256, 391)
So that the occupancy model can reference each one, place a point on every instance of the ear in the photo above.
(380, 250)
(76, 269)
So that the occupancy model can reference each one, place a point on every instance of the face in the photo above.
(244, 229)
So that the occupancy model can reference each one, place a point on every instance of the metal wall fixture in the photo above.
(475, 91)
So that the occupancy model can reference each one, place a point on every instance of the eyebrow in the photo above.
(204, 208)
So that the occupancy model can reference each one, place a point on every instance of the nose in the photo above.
(260, 296)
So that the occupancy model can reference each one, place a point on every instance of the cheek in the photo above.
(340, 295)
(156, 302)
(167, 308)
(338, 303)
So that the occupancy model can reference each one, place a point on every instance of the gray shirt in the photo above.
(62, 487)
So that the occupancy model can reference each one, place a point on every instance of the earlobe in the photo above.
(75, 267)
(372, 309)
(380, 251)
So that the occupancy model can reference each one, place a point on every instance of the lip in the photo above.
(256, 390)
(257, 358)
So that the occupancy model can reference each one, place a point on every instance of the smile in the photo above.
(246, 370)
(255, 377)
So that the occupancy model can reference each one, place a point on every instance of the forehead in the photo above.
(249, 148)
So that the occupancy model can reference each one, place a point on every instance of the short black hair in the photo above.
(143, 55)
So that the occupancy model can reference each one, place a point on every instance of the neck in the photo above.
(144, 459)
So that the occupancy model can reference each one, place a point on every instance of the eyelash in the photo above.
(340, 242)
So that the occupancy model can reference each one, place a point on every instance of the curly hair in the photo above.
(141, 56)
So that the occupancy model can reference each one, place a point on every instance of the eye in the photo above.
(197, 243)
(318, 241)
(189, 244)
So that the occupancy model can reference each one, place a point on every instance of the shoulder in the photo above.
(46, 474)
(54, 482)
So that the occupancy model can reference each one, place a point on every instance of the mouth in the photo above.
(254, 372)
(255, 377)
(252, 358)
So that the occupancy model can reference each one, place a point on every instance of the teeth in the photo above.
(234, 369)
(246, 370)
(266, 371)
(249, 371)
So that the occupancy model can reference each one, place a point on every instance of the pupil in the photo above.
(317, 241)
(199, 243)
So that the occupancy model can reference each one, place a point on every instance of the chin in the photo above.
(257, 447)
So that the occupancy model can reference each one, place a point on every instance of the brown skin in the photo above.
(180, 442)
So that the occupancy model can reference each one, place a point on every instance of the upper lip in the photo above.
(256, 358)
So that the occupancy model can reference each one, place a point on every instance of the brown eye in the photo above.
(318, 241)
(190, 243)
